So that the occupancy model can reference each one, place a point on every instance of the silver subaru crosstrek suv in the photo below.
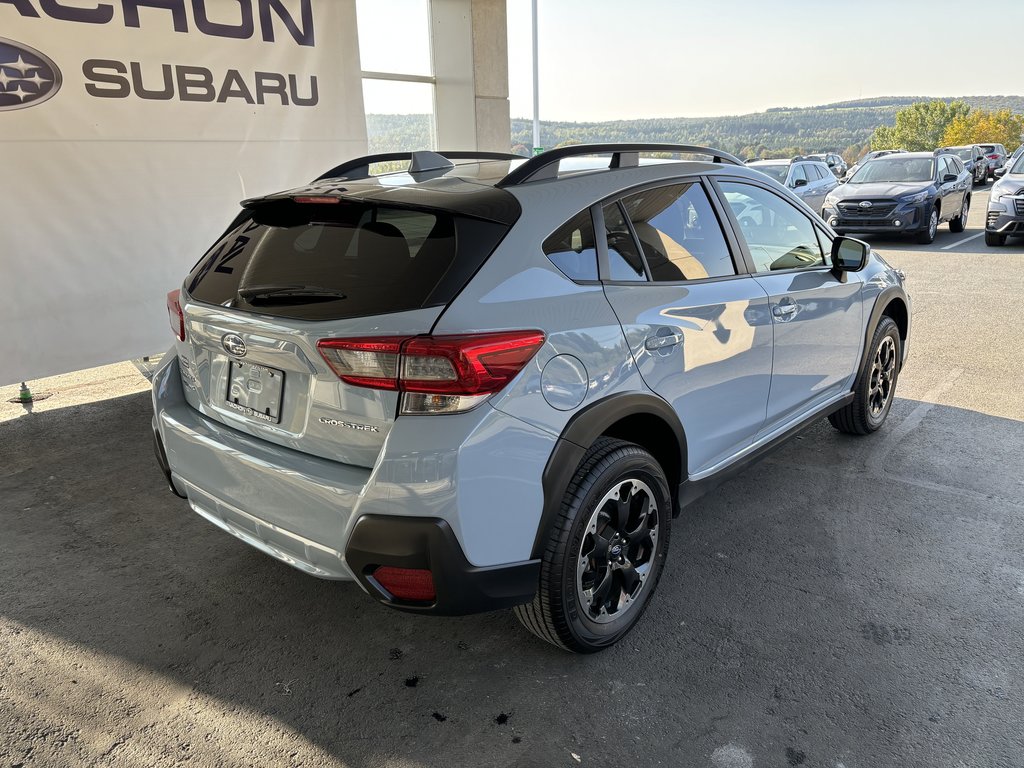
(489, 382)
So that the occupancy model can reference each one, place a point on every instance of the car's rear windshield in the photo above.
(317, 261)
(896, 170)
(988, 148)
(778, 171)
(964, 153)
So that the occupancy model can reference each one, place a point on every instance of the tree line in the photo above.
(850, 128)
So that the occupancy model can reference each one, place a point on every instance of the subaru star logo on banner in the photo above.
(130, 131)
(27, 77)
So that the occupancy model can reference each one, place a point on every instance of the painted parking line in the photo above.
(961, 242)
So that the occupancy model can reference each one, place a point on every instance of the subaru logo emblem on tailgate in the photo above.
(866, 203)
(27, 77)
(233, 344)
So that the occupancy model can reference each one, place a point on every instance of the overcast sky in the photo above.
(608, 59)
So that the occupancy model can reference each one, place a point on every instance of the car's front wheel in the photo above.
(876, 383)
(927, 235)
(605, 551)
(959, 224)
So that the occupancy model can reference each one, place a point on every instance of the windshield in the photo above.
(965, 153)
(1018, 167)
(779, 172)
(896, 170)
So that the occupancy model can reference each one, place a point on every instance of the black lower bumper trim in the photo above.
(165, 467)
(423, 542)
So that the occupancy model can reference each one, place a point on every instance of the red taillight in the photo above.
(174, 314)
(414, 584)
(438, 374)
(992, 157)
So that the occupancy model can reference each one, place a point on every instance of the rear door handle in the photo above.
(661, 342)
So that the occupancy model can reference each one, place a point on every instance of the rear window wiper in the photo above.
(257, 292)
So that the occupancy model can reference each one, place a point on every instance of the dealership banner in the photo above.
(129, 132)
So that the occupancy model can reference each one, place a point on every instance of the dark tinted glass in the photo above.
(350, 259)
(624, 262)
(679, 233)
(571, 248)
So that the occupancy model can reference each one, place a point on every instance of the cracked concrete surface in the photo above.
(846, 603)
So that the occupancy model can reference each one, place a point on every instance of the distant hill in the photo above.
(827, 126)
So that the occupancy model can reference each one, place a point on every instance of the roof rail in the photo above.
(624, 155)
(359, 168)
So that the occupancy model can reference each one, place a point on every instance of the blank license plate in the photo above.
(255, 391)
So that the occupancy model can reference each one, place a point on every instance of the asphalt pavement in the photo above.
(846, 603)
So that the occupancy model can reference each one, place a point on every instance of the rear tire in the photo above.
(876, 383)
(927, 235)
(605, 551)
(994, 239)
(959, 224)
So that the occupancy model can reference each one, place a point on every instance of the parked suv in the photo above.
(835, 163)
(494, 383)
(810, 179)
(996, 156)
(974, 160)
(1006, 206)
(904, 193)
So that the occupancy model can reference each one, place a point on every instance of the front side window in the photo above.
(778, 235)
(797, 175)
(679, 233)
(624, 262)
(571, 248)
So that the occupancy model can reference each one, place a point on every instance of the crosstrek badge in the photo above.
(27, 76)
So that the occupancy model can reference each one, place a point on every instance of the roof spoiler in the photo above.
(623, 155)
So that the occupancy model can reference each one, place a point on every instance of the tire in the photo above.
(982, 181)
(875, 385)
(568, 610)
(927, 235)
(959, 224)
(994, 239)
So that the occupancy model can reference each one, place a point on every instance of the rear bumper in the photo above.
(406, 542)
(437, 503)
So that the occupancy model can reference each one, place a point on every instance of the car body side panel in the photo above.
(585, 358)
(817, 346)
(717, 375)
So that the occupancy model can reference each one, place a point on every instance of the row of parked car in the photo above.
(893, 191)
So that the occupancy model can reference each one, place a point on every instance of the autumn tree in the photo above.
(982, 126)
(920, 126)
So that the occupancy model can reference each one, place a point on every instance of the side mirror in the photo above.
(843, 180)
(949, 178)
(800, 183)
(832, 165)
(849, 255)
(1000, 172)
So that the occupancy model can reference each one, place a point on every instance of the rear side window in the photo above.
(624, 262)
(571, 248)
(350, 259)
(679, 233)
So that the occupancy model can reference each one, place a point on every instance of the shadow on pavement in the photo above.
(847, 599)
